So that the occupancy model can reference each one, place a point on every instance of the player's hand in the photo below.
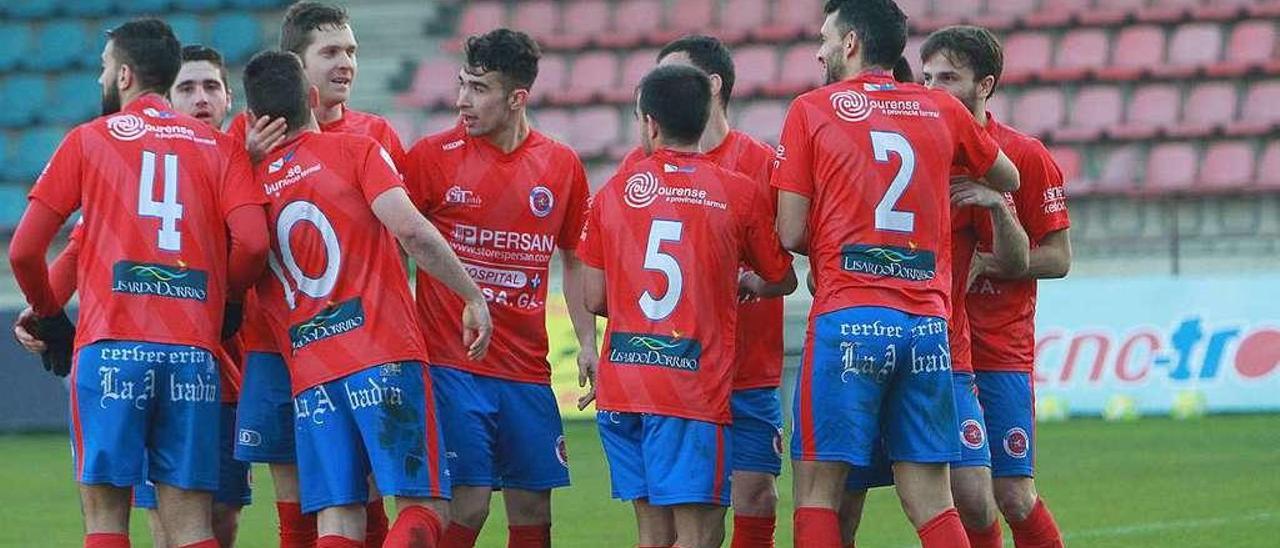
(969, 193)
(58, 334)
(232, 317)
(588, 361)
(24, 331)
(977, 267)
(263, 135)
(750, 286)
(476, 329)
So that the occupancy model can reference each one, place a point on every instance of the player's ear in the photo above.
(313, 97)
(852, 47)
(987, 86)
(716, 83)
(518, 99)
(124, 77)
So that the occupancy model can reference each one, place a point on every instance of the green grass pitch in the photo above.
(1153, 482)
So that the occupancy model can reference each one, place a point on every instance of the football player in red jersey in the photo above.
(757, 412)
(506, 197)
(146, 388)
(967, 62)
(863, 173)
(664, 243)
(339, 296)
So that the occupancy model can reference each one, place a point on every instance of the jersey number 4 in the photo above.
(888, 218)
(168, 210)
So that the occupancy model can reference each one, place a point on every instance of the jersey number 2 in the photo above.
(888, 218)
(655, 260)
(168, 210)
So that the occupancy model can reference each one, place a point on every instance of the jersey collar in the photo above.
(147, 100)
(501, 156)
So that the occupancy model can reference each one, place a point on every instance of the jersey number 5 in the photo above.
(316, 288)
(655, 260)
(168, 210)
(888, 218)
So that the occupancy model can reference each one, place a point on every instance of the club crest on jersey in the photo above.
(851, 106)
(562, 452)
(1016, 442)
(161, 280)
(126, 127)
(641, 190)
(334, 320)
(281, 161)
(655, 350)
(541, 201)
(971, 434)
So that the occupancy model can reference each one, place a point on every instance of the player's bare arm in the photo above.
(428, 248)
(584, 323)
(1010, 245)
(754, 285)
(793, 221)
(1003, 175)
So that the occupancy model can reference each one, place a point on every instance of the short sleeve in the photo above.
(420, 174)
(390, 140)
(574, 218)
(590, 248)
(378, 172)
(238, 185)
(976, 150)
(793, 160)
(763, 250)
(59, 185)
(1041, 201)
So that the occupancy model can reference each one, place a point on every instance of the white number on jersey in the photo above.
(654, 259)
(316, 288)
(168, 210)
(888, 218)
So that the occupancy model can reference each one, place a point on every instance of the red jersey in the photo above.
(255, 334)
(503, 215)
(964, 241)
(758, 361)
(670, 233)
(337, 292)
(1003, 312)
(875, 157)
(156, 188)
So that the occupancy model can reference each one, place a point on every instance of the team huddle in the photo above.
(244, 296)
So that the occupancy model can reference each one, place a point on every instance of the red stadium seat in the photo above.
(583, 20)
(1220, 10)
(1002, 13)
(1069, 161)
(592, 75)
(1252, 45)
(1136, 50)
(599, 174)
(800, 72)
(1192, 45)
(792, 19)
(1166, 11)
(1025, 54)
(1151, 108)
(1056, 13)
(1079, 52)
(916, 9)
(1039, 111)
(756, 67)
(763, 120)
(1171, 167)
(740, 17)
(439, 121)
(594, 129)
(481, 17)
(1120, 169)
(435, 83)
(1260, 111)
(1269, 166)
(911, 52)
(637, 64)
(552, 70)
(1208, 107)
(539, 18)
(633, 21)
(1095, 109)
(554, 122)
(1227, 165)
(951, 12)
(684, 17)
(998, 106)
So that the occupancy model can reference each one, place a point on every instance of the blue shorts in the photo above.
(974, 450)
(871, 372)
(1009, 402)
(264, 421)
(757, 431)
(500, 433)
(667, 460)
(379, 421)
(136, 402)
(233, 475)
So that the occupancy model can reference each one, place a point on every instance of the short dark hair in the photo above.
(150, 48)
(968, 46)
(196, 52)
(276, 86)
(511, 53)
(902, 71)
(880, 24)
(304, 17)
(709, 54)
(679, 99)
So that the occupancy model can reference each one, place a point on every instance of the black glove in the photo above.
(232, 316)
(58, 334)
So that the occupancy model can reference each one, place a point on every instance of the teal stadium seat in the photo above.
(147, 7)
(23, 97)
(197, 5)
(236, 35)
(33, 150)
(188, 28)
(79, 98)
(30, 9)
(87, 8)
(15, 40)
(13, 202)
(62, 44)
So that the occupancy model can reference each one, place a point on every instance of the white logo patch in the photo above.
(641, 190)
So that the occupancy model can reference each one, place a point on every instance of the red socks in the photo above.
(752, 531)
(529, 536)
(458, 535)
(943, 531)
(1039, 530)
(375, 524)
(297, 530)
(106, 540)
(206, 543)
(415, 527)
(991, 537)
(817, 527)
(335, 541)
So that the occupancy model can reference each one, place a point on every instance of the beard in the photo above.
(834, 69)
(111, 100)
